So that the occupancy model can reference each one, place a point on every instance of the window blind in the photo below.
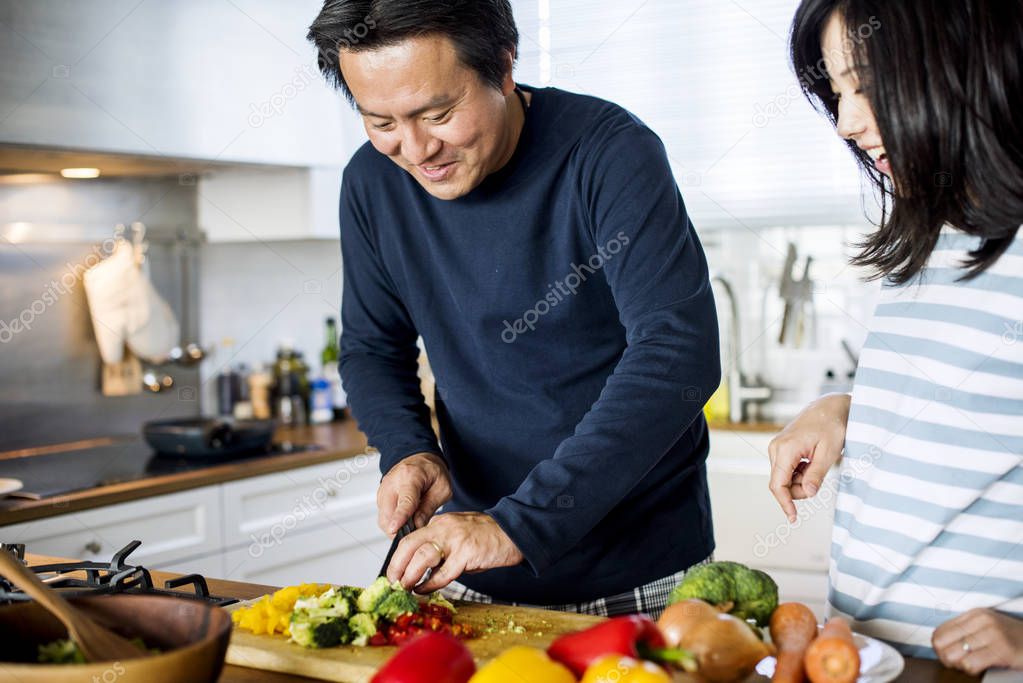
(711, 78)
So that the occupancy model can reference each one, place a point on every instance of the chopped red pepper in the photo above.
(634, 636)
(429, 658)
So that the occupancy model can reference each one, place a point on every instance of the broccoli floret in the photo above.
(63, 651)
(756, 595)
(395, 604)
(437, 599)
(709, 582)
(337, 604)
(352, 593)
(744, 592)
(318, 632)
(363, 627)
(318, 627)
(372, 596)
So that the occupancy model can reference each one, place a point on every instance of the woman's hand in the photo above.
(805, 450)
(978, 640)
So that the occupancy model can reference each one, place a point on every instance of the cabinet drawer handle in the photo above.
(93, 547)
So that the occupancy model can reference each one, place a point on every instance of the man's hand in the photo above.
(412, 489)
(978, 640)
(817, 435)
(452, 544)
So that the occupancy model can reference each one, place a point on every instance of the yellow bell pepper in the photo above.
(521, 663)
(619, 669)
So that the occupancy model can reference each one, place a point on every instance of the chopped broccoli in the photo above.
(338, 604)
(363, 627)
(437, 599)
(321, 621)
(318, 632)
(352, 593)
(372, 596)
(746, 593)
(395, 604)
(63, 651)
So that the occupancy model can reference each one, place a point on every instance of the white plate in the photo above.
(879, 662)
(9, 486)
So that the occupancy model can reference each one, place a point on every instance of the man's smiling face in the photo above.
(430, 113)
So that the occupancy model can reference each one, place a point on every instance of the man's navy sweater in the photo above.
(567, 313)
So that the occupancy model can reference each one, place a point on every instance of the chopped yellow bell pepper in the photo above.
(521, 663)
(619, 669)
(272, 613)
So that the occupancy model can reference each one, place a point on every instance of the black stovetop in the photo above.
(125, 459)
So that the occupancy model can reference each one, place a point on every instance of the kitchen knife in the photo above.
(404, 531)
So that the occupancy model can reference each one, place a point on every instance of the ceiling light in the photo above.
(80, 172)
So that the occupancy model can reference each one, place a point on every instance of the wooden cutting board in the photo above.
(348, 664)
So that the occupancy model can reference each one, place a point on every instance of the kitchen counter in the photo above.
(338, 440)
(755, 427)
(916, 671)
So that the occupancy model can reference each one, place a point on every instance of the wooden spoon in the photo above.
(96, 642)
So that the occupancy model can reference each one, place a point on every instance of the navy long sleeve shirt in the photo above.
(566, 309)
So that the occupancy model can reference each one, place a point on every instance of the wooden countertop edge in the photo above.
(29, 510)
(758, 427)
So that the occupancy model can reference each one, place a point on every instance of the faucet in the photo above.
(740, 392)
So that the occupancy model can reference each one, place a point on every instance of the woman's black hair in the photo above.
(482, 31)
(945, 80)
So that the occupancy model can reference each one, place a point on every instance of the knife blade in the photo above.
(404, 531)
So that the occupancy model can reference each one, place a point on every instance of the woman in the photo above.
(927, 548)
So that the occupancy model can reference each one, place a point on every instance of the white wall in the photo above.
(256, 294)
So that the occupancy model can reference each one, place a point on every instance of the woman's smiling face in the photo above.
(856, 120)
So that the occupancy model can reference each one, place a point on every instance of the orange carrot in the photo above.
(793, 627)
(788, 667)
(833, 657)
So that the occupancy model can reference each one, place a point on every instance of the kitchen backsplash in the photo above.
(255, 295)
(842, 304)
(49, 361)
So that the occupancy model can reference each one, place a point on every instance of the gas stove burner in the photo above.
(115, 576)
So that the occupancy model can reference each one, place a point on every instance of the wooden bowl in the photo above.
(191, 635)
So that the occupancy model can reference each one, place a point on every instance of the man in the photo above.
(536, 241)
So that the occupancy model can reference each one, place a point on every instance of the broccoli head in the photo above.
(746, 593)
(397, 603)
(756, 595)
(373, 595)
(708, 582)
(363, 626)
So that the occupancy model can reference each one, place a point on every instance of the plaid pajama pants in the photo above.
(650, 599)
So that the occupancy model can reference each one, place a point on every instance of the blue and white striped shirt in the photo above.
(929, 516)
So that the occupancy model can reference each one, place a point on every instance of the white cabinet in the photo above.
(259, 204)
(348, 551)
(230, 81)
(261, 509)
(315, 523)
(749, 526)
(311, 524)
(173, 528)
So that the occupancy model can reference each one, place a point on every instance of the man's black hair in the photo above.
(482, 31)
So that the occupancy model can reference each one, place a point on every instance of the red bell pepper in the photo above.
(431, 657)
(634, 636)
